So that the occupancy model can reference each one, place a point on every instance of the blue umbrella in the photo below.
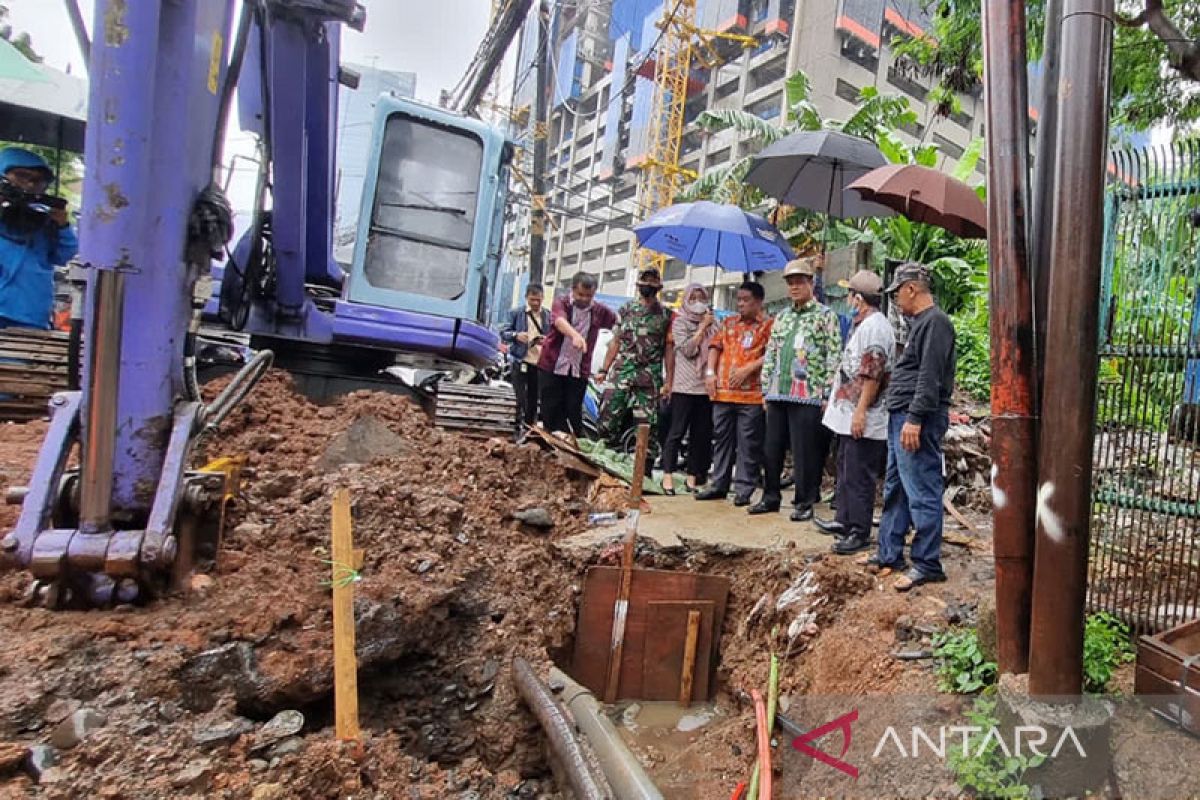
(707, 234)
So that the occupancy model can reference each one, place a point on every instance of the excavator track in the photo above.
(475, 410)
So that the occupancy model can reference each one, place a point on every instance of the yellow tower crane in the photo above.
(680, 43)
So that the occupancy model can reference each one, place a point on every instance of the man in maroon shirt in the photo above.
(565, 364)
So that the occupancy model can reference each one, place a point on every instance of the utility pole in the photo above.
(1068, 412)
(541, 131)
(1014, 387)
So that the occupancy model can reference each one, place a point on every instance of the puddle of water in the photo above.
(663, 728)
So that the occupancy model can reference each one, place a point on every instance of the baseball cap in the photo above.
(649, 277)
(906, 272)
(800, 266)
(864, 282)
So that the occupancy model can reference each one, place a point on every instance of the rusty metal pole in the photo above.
(1014, 387)
(1043, 176)
(1069, 400)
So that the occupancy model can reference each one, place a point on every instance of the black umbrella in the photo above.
(812, 170)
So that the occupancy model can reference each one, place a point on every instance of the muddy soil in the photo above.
(451, 589)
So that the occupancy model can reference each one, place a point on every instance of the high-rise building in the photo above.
(601, 55)
(356, 115)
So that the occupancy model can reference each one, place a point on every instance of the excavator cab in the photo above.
(428, 242)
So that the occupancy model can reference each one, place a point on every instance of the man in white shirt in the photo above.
(858, 415)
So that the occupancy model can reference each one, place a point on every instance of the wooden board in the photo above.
(345, 659)
(1165, 653)
(664, 649)
(1179, 705)
(593, 634)
(33, 366)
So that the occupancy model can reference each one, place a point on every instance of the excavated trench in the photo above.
(452, 589)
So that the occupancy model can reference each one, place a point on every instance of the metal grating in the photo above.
(1145, 555)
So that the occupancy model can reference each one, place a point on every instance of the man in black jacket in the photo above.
(523, 332)
(919, 414)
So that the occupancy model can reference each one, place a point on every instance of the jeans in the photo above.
(692, 414)
(795, 426)
(912, 495)
(860, 463)
(738, 429)
(562, 402)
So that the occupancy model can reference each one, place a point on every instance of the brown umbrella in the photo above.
(926, 195)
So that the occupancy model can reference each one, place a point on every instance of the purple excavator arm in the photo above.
(133, 515)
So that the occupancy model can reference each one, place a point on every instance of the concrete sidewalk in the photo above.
(716, 522)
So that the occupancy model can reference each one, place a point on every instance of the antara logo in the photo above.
(1033, 737)
(975, 741)
(842, 724)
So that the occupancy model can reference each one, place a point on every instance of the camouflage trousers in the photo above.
(627, 406)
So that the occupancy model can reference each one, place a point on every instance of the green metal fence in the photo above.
(1145, 559)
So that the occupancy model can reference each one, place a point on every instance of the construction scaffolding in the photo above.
(680, 44)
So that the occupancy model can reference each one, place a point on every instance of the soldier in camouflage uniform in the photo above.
(641, 343)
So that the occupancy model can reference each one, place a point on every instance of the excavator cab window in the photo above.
(423, 217)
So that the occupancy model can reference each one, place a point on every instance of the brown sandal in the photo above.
(914, 578)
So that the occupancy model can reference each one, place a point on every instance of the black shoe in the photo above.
(762, 508)
(711, 493)
(741, 500)
(802, 514)
(851, 543)
(829, 526)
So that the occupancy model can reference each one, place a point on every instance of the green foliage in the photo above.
(973, 345)
(1147, 90)
(982, 765)
(21, 41)
(1107, 644)
(962, 666)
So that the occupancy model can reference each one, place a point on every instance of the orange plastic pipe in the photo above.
(764, 744)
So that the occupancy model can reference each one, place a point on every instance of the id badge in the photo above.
(747, 340)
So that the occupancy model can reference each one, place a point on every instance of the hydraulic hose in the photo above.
(237, 390)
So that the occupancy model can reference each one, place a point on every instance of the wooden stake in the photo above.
(345, 658)
(621, 607)
(689, 659)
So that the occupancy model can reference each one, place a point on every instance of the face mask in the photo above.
(647, 291)
(698, 307)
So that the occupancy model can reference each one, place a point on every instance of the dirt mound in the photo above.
(451, 589)
(18, 454)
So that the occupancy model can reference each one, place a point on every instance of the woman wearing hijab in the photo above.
(691, 409)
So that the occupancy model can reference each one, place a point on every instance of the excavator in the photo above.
(129, 522)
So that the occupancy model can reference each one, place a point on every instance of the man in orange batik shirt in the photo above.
(733, 380)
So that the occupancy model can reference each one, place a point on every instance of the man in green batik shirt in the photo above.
(798, 370)
(641, 343)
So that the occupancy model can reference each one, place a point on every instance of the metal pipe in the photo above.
(626, 776)
(563, 743)
(100, 424)
(81, 34)
(1043, 177)
(1069, 400)
(1014, 393)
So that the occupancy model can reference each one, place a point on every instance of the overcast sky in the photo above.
(437, 44)
(433, 38)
